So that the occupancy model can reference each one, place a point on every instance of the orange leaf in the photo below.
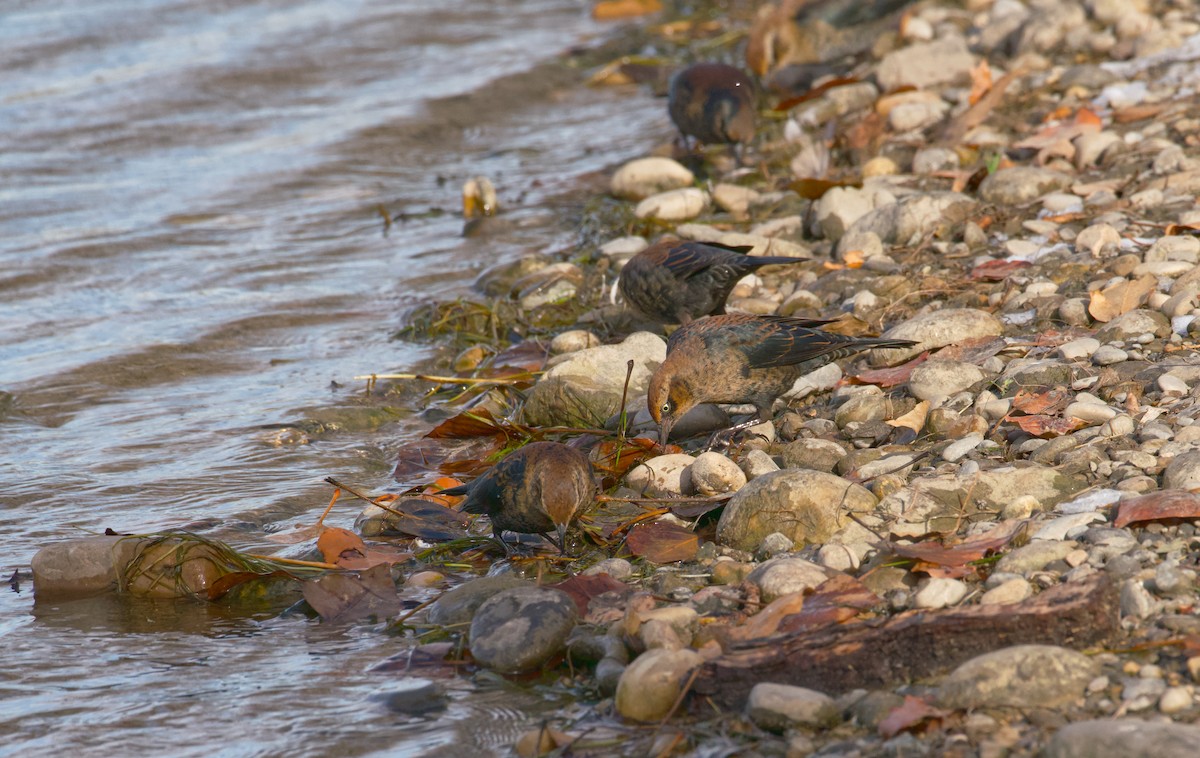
(607, 10)
(836, 600)
(966, 551)
(997, 271)
(890, 377)
(1049, 402)
(662, 542)
(815, 189)
(914, 715)
(1122, 297)
(766, 622)
(1047, 426)
(336, 543)
(1166, 505)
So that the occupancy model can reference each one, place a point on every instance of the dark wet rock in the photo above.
(458, 606)
(521, 628)
(778, 707)
(806, 506)
(1126, 737)
(412, 696)
(77, 568)
(1024, 676)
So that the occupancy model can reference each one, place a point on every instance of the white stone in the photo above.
(675, 205)
(644, 177)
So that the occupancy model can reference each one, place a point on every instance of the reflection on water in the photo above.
(191, 251)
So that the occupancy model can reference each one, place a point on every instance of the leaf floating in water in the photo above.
(662, 542)
(349, 596)
(583, 587)
(346, 549)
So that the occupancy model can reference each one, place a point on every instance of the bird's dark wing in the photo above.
(786, 342)
(690, 258)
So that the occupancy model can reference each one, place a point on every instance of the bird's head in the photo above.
(668, 398)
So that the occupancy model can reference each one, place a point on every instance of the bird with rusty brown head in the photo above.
(540, 488)
(673, 282)
(740, 358)
(714, 103)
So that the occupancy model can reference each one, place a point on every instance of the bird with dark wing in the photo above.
(540, 488)
(740, 358)
(673, 282)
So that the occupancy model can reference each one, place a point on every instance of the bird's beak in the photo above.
(562, 539)
(664, 430)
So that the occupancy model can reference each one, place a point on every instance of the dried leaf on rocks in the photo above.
(1166, 505)
(346, 549)
(916, 715)
(997, 271)
(815, 92)
(1122, 297)
(1047, 426)
(766, 622)
(458, 445)
(614, 457)
(583, 587)
(973, 549)
(1051, 401)
(1181, 230)
(975, 350)
(662, 542)
(349, 596)
(890, 377)
(835, 601)
(914, 419)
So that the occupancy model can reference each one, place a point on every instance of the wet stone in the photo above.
(458, 606)
(778, 707)
(650, 686)
(1023, 676)
(520, 629)
(1130, 737)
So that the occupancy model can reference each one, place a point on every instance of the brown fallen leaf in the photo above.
(347, 550)
(964, 552)
(1049, 402)
(349, 596)
(815, 189)
(583, 587)
(662, 542)
(915, 715)
(997, 271)
(1165, 505)
(766, 622)
(834, 601)
(1122, 297)
(890, 377)
(914, 419)
(1047, 426)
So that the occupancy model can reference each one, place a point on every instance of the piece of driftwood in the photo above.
(911, 645)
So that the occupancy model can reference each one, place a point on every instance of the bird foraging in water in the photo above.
(740, 358)
(673, 282)
(543, 487)
(714, 103)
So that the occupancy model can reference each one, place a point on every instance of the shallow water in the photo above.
(191, 253)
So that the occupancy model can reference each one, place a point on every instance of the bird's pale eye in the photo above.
(666, 408)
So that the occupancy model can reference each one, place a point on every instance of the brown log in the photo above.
(911, 645)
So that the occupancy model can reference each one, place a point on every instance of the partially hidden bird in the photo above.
(713, 102)
(674, 282)
(540, 488)
(742, 358)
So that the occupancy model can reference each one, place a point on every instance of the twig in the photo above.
(373, 501)
(292, 561)
(712, 499)
(450, 379)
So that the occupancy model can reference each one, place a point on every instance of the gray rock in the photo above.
(413, 696)
(1126, 737)
(812, 453)
(778, 707)
(1183, 472)
(521, 628)
(774, 544)
(806, 506)
(1022, 184)
(1079, 349)
(935, 379)
(617, 568)
(458, 606)
(911, 218)
(713, 474)
(1107, 355)
(661, 476)
(1134, 324)
(757, 463)
(785, 575)
(840, 207)
(1024, 676)
(585, 387)
(1010, 591)
(942, 61)
(644, 177)
(939, 593)
(650, 686)
(673, 205)
(82, 567)
(1098, 239)
(1136, 600)
(938, 329)
(573, 341)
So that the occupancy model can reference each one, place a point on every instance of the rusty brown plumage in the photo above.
(739, 358)
(540, 488)
(673, 282)
(714, 103)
